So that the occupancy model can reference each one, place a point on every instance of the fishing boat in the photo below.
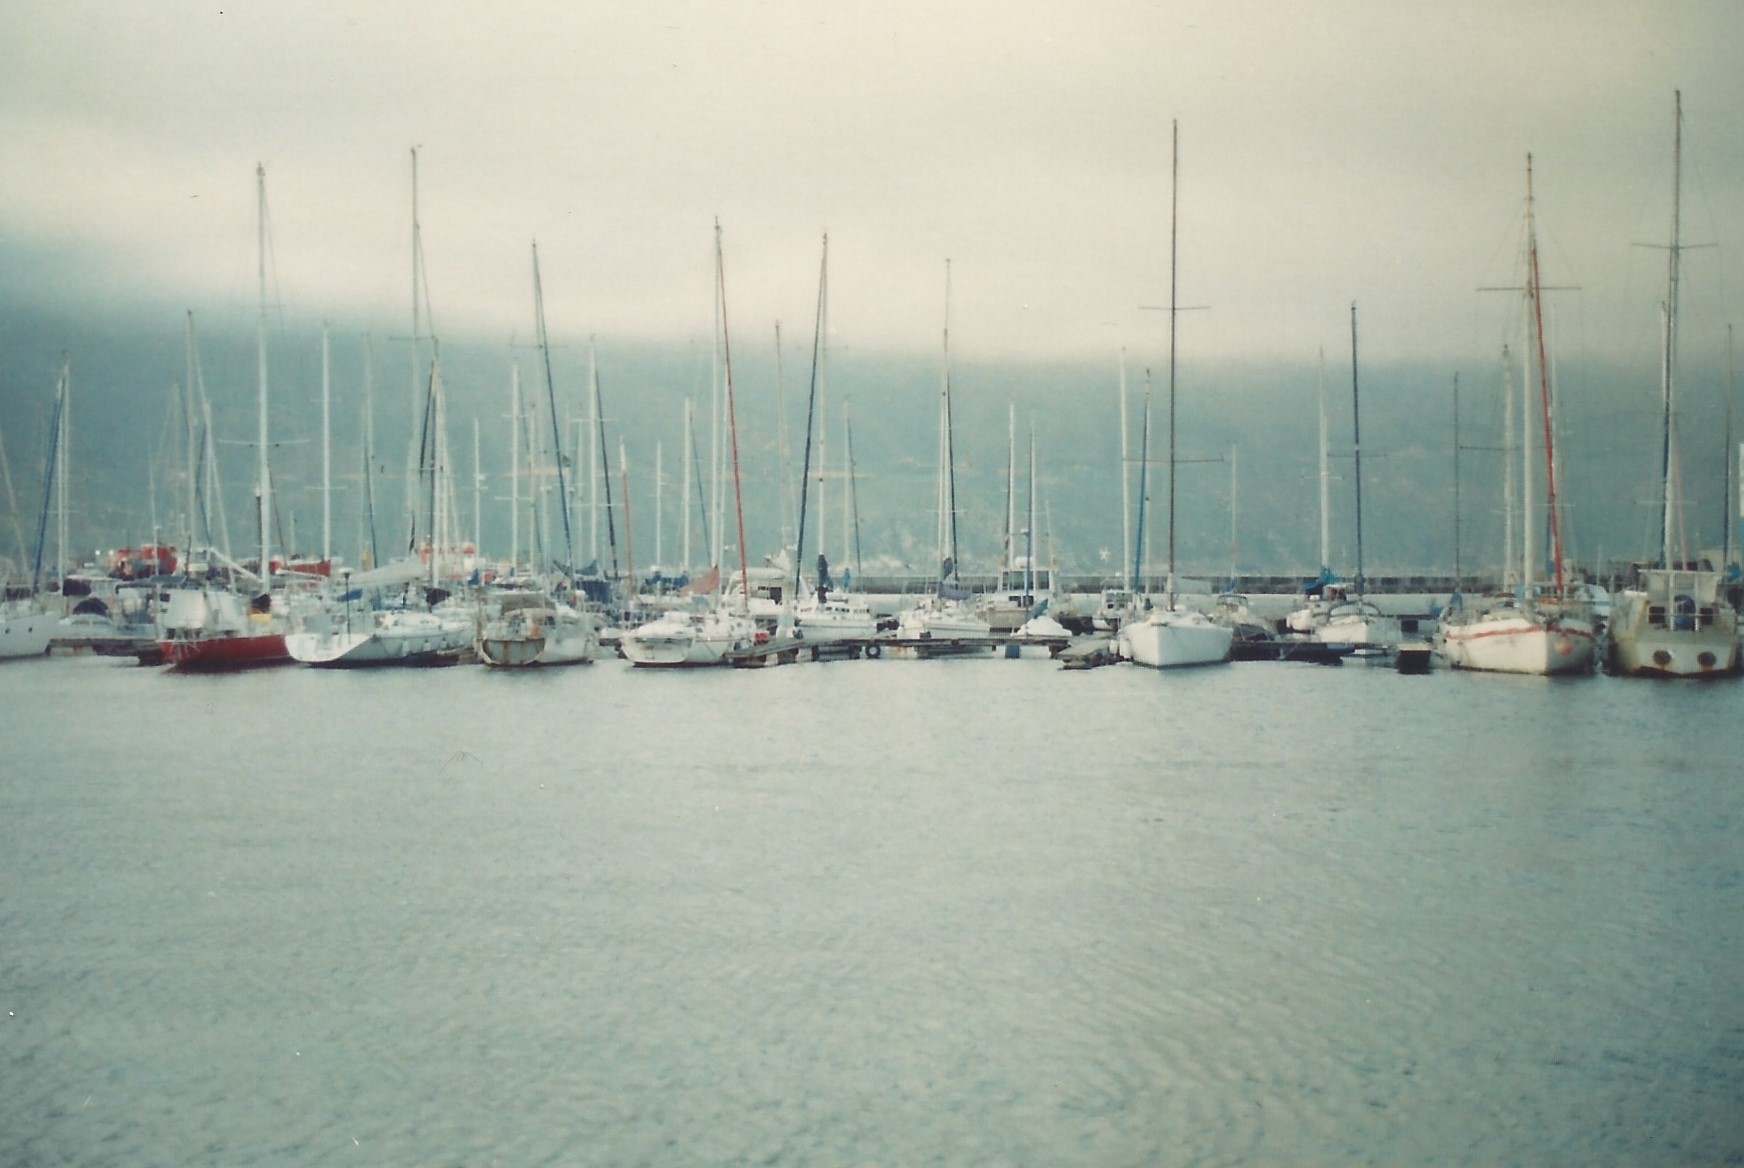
(1674, 621)
(215, 628)
(1170, 635)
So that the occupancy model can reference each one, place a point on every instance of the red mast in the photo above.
(1533, 293)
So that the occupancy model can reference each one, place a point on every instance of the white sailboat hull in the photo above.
(25, 632)
(1358, 628)
(681, 640)
(833, 621)
(1169, 640)
(1519, 642)
(946, 621)
(396, 638)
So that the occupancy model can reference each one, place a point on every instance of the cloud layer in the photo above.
(1330, 153)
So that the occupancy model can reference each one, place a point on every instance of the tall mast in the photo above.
(1530, 550)
(373, 552)
(716, 499)
(732, 423)
(12, 504)
(605, 479)
(1457, 573)
(48, 474)
(684, 495)
(1537, 302)
(326, 450)
(1731, 395)
(811, 426)
(1029, 528)
(946, 521)
(1325, 480)
(1356, 447)
(629, 543)
(262, 465)
(1510, 473)
(659, 506)
(191, 414)
(1234, 484)
(1144, 466)
(209, 477)
(515, 467)
(420, 391)
(63, 473)
(847, 489)
(593, 454)
(434, 458)
(1668, 375)
(851, 555)
(1009, 558)
(477, 496)
(556, 426)
(823, 441)
(1174, 314)
(1125, 474)
(787, 496)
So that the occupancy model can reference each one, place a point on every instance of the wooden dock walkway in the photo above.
(792, 650)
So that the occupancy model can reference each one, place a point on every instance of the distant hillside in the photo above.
(125, 429)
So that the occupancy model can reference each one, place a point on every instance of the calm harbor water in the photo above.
(882, 913)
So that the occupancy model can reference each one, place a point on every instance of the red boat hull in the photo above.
(226, 652)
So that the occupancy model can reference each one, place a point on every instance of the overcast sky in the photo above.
(1330, 152)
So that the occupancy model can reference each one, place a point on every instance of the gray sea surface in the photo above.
(968, 912)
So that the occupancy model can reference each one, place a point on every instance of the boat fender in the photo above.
(873, 652)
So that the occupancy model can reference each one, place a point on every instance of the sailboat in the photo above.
(945, 618)
(27, 627)
(1171, 635)
(1344, 615)
(690, 638)
(1541, 629)
(212, 628)
(412, 629)
(524, 627)
(405, 632)
(825, 615)
(1674, 622)
(1025, 588)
